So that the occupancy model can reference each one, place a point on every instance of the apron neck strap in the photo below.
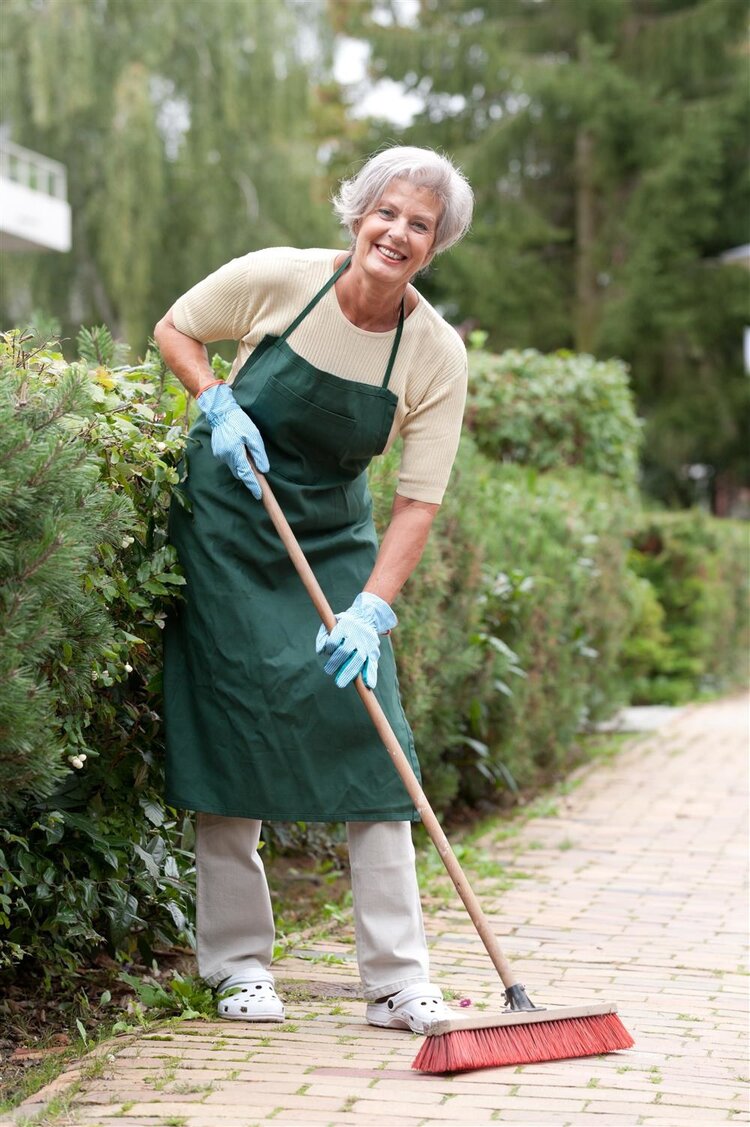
(396, 342)
(322, 292)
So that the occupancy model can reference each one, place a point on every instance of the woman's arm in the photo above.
(186, 357)
(402, 546)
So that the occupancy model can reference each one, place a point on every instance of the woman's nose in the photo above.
(398, 228)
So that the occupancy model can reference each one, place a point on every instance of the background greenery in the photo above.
(546, 597)
(607, 141)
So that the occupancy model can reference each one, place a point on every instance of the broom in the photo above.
(523, 1033)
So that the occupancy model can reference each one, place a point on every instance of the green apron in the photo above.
(254, 727)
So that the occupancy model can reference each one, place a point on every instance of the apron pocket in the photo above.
(289, 420)
(342, 423)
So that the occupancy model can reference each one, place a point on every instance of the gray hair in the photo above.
(424, 167)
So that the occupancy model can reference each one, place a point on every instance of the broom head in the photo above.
(522, 1037)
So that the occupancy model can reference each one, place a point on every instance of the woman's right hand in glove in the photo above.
(233, 433)
(353, 645)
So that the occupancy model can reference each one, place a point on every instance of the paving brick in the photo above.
(417, 1113)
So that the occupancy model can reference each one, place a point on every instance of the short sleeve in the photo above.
(224, 305)
(431, 430)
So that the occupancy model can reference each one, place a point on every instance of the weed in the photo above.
(56, 1108)
(97, 1066)
(328, 958)
(543, 807)
(190, 1088)
(159, 1083)
(36, 1077)
(333, 912)
(186, 997)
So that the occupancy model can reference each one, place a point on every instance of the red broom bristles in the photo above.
(499, 1045)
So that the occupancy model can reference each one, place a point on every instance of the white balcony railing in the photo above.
(34, 209)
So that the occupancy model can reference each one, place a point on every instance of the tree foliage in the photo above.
(190, 135)
(607, 143)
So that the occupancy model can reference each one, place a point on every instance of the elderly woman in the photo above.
(338, 355)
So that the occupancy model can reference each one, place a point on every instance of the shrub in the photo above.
(439, 614)
(56, 520)
(554, 596)
(510, 629)
(697, 569)
(552, 411)
(91, 856)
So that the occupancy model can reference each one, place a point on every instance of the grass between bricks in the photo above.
(467, 830)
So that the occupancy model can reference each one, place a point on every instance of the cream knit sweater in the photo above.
(262, 292)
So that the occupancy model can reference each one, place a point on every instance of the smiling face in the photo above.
(395, 238)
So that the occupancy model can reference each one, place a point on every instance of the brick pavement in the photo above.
(629, 888)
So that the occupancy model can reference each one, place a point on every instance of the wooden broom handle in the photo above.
(387, 735)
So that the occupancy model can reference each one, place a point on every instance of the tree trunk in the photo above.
(586, 304)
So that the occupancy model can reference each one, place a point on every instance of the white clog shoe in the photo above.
(246, 998)
(415, 1007)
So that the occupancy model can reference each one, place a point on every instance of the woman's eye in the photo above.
(385, 211)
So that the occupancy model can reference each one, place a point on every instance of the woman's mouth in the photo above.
(391, 254)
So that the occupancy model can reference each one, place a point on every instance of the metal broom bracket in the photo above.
(518, 999)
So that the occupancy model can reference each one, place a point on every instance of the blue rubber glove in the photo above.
(232, 433)
(353, 644)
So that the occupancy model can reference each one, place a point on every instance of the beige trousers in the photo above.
(235, 928)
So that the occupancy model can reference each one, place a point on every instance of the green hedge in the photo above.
(511, 637)
(510, 629)
(690, 631)
(556, 410)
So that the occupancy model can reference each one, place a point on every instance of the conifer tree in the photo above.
(54, 518)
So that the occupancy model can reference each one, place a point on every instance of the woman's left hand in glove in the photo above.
(354, 643)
